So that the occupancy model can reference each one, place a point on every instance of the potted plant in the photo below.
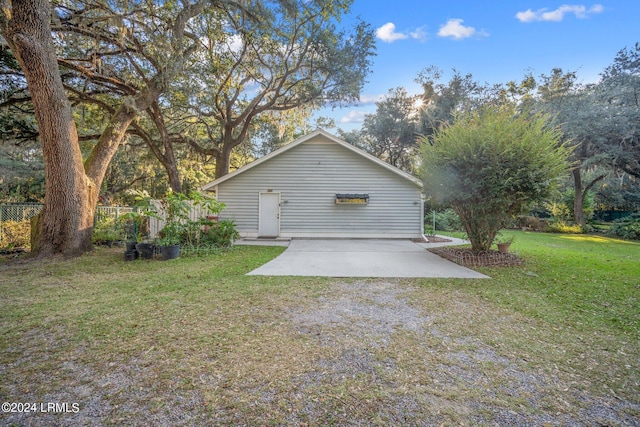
(207, 205)
(143, 210)
(175, 207)
(169, 241)
(504, 244)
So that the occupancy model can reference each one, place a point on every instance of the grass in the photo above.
(587, 279)
(195, 340)
(591, 281)
(579, 298)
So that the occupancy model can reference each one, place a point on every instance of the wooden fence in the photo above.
(157, 224)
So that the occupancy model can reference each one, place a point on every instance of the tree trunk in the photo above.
(65, 224)
(223, 159)
(580, 194)
(169, 158)
(66, 220)
(174, 177)
(578, 199)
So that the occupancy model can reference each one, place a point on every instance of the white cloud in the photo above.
(353, 116)
(526, 16)
(387, 33)
(557, 15)
(370, 99)
(235, 43)
(419, 34)
(454, 28)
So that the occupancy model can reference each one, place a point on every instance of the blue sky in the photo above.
(494, 40)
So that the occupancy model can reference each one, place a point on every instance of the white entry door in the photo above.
(269, 220)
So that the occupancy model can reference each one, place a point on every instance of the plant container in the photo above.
(170, 252)
(145, 250)
(504, 247)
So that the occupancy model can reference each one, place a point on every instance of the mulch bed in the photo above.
(467, 258)
(436, 239)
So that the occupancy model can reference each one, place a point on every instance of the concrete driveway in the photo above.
(362, 258)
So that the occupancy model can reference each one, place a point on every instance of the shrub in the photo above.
(560, 215)
(15, 234)
(626, 228)
(532, 223)
(446, 220)
(221, 234)
(559, 212)
(489, 165)
(107, 231)
(563, 227)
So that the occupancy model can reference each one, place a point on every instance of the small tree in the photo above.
(489, 164)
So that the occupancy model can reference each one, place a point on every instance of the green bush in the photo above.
(626, 229)
(446, 220)
(107, 231)
(221, 234)
(15, 234)
(532, 223)
(490, 164)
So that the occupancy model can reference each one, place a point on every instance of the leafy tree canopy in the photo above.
(293, 57)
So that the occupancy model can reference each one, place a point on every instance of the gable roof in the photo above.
(303, 139)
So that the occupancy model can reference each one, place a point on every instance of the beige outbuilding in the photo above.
(320, 186)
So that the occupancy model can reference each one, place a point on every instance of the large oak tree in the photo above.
(294, 56)
(73, 183)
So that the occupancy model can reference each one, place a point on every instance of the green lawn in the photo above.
(130, 339)
(588, 281)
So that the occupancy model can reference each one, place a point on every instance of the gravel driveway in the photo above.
(370, 329)
(352, 353)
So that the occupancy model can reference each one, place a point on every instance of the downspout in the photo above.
(422, 199)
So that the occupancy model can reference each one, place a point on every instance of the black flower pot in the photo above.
(170, 252)
(130, 253)
(145, 250)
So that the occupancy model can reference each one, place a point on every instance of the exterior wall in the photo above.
(308, 177)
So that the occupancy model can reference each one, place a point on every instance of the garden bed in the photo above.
(468, 258)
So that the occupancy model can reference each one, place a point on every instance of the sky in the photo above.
(494, 40)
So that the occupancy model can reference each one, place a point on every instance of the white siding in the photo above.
(308, 177)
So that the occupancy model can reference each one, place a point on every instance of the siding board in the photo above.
(308, 177)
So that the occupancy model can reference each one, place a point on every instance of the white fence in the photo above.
(157, 224)
(24, 212)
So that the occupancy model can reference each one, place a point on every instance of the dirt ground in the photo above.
(359, 353)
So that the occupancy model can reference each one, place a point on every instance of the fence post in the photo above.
(135, 225)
